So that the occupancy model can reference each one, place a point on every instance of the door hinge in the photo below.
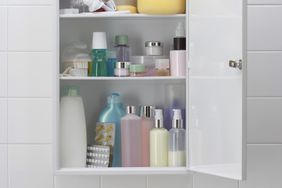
(236, 64)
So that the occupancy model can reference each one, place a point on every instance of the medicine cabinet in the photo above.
(213, 89)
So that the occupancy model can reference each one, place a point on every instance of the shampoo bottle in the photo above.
(73, 142)
(112, 113)
(131, 139)
(158, 142)
(176, 156)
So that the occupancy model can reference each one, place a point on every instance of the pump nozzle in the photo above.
(159, 118)
(177, 119)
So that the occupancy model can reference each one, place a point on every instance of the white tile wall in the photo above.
(28, 32)
(3, 74)
(264, 28)
(206, 181)
(3, 28)
(265, 2)
(77, 181)
(24, 81)
(30, 121)
(123, 182)
(264, 71)
(264, 167)
(3, 166)
(265, 120)
(30, 2)
(168, 181)
(30, 166)
(3, 120)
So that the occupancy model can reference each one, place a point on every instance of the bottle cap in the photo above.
(159, 120)
(137, 68)
(71, 91)
(122, 65)
(162, 64)
(113, 98)
(99, 40)
(152, 43)
(147, 111)
(177, 121)
(130, 110)
(121, 40)
(179, 43)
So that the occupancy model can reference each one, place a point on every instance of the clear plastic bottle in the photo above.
(158, 142)
(112, 114)
(131, 139)
(122, 48)
(147, 123)
(176, 154)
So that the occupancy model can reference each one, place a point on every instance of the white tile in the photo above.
(265, 73)
(123, 181)
(77, 181)
(30, 2)
(264, 28)
(206, 181)
(264, 167)
(264, 120)
(3, 27)
(265, 2)
(30, 121)
(168, 181)
(30, 74)
(30, 166)
(31, 28)
(3, 121)
(3, 166)
(3, 74)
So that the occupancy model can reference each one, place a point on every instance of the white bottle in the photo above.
(177, 155)
(73, 143)
(158, 142)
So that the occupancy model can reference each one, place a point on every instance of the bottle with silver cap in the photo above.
(158, 142)
(177, 153)
(131, 139)
(147, 123)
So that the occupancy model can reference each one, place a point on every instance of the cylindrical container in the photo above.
(131, 139)
(122, 48)
(72, 130)
(147, 123)
(129, 5)
(153, 48)
(137, 70)
(158, 142)
(122, 69)
(178, 63)
(161, 6)
(111, 63)
(176, 154)
(112, 113)
(162, 67)
(99, 54)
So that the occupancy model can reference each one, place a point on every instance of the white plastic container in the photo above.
(73, 143)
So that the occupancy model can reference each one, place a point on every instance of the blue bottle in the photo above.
(112, 113)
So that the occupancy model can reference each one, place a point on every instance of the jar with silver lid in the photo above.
(122, 69)
(153, 48)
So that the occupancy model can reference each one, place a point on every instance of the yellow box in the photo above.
(161, 6)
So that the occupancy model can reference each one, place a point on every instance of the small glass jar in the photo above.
(121, 69)
(137, 70)
(162, 67)
(153, 48)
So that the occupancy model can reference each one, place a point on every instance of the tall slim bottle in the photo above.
(131, 139)
(176, 154)
(147, 123)
(113, 112)
(122, 48)
(158, 142)
(73, 142)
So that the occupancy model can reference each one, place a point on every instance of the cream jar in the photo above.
(153, 48)
(122, 69)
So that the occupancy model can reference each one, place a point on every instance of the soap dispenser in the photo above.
(176, 154)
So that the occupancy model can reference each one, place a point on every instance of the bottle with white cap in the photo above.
(158, 142)
(176, 154)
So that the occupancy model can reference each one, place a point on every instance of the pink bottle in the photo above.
(147, 123)
(131, 139)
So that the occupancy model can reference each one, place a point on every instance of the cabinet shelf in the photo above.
(122, 171)
(123, 78)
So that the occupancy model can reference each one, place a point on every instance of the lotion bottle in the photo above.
(158, 142)
(176, 154)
